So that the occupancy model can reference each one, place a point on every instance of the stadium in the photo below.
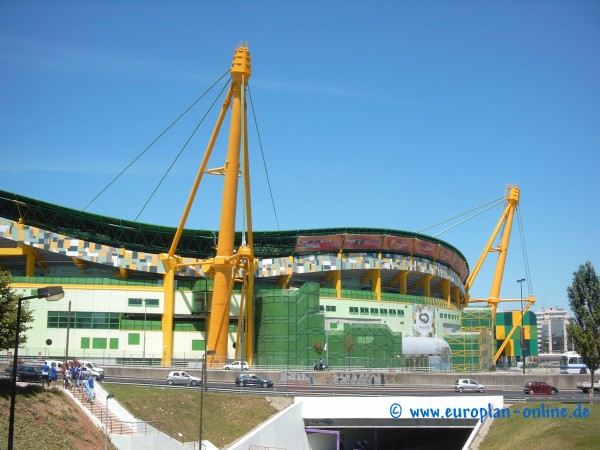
(357, 292)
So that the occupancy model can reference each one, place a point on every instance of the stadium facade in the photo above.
(345, 295)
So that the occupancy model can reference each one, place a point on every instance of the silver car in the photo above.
(181, 377)
(465, 384)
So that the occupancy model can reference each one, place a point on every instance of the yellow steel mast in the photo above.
(503, 227)
(227, 262)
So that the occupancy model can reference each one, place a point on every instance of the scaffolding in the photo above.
(472, 348)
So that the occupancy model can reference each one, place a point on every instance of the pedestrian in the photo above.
(67, 377)
(79, 377)
(53, 375)
(45, 373)
(89, 388)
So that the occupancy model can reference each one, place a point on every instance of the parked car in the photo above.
(237, 365)
(465, 384)
(539, 387)
(26, 372)
(181, 377)
(249, 379)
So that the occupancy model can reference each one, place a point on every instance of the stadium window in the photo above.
(187, 325)
(392, 312)
(201, 302)
(99, 343)
(104, 321)
(333, 325)
(401, 312)
(374, 311)
(198, 345)
(133, 338)
(85, 342)
(321, 308)
(57, 319)
(383, 312)
(364, 310)
(113, 343)
(330, 308)
(134, 302)
(353, 310)
(82, 320)
(152, 302)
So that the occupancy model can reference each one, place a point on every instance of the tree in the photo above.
(318, 347)
(8, 314)
(584, 329)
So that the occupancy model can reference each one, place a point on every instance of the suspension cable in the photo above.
(155, 140)
(468, 218)
(263, 158)
(524, 251)
(181, 151)
(495, 202)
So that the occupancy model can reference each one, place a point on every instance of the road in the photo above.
(356, 390)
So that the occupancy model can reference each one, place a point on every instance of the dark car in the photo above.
(539, 387)
(249, 379)
(26, 372)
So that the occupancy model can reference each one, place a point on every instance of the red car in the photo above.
(539, 387)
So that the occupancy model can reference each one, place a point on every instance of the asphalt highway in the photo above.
(354, 390)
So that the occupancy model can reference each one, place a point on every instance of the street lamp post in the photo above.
(51, 294)
(522, 326)
(68, 329)
(109, 396)
(202, 388)
(144, 348)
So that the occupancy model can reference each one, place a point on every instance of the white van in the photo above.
(93, 368)
(57, 364)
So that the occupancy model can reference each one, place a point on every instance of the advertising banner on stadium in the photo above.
(316, 243)
(398, 244)
(445, 255)
(363, 242)
(426, 248)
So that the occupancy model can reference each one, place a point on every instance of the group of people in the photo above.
(49, 374)
(70, 372)
(320, 365)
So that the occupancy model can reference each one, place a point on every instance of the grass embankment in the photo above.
(546, 433)
(226, 417)
(46, 419)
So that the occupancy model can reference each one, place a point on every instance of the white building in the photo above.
(552, 330)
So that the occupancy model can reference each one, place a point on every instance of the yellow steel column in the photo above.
(167, 318)
(401, 280)
(377, 283)
(218, 326)
(456, 295)
(337, 279)
(426, 281)
(337, 283)
(513, 201)
(249, 316)
(446, 291)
